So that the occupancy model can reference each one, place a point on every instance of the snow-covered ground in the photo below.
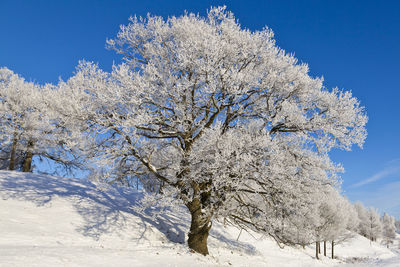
(53, 221)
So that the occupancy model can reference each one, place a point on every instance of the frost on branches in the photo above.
(388, 229)
(216, 116)
(370, 224)
(22, 124)
(30, 125)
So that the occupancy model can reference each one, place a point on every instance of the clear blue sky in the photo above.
(355, 45)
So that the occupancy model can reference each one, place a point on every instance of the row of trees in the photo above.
(339, 220)
(203, 112)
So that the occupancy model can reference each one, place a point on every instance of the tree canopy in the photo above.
(217, 117)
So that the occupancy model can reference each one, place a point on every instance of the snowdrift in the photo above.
(55, 221)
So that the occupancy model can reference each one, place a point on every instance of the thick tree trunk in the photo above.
(11, 165)
(316, 249)
(324, 248)
(28, 158)
(199, 228)
(333, 245)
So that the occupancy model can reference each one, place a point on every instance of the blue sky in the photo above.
(355, 45)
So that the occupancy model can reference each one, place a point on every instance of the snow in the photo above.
(54, 221)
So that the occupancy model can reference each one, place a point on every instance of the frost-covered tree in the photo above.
(29, 124)
(374, 224)
(341, 221)
(333, 221)
(388, 229)
(362, 214)
(370, 225)
(300, 225)
(20, 118)
(225, 121)
(352, 216)
(397, 223)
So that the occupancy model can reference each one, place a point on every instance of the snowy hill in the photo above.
(53, 221)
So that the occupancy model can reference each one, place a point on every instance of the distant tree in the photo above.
(397, 224)
(388, 229)
(335, 220)
(345, 223)
(299, 226)
(224, 120)
(374, 224)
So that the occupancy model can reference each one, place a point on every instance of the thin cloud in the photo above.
(395, 161)
(392, 167)
(385, 198)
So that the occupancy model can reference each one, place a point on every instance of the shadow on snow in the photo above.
(104, 211)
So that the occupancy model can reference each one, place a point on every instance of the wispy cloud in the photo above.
(394, 162)
(385, 198)
(391, 167)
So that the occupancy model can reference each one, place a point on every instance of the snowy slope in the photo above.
(53, 221)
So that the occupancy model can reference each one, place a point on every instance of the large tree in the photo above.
(218, 116)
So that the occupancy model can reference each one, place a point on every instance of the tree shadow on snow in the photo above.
(232, 243)
(103, 211)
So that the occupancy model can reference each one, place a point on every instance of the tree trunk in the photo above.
(304, 246)
(333, 245)
(27, 162)
(199, 228)
(11, 166)
(28, 158)
(319, 247)
(324, 248)
(316, 250)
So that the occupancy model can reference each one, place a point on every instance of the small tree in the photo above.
(362, 214)
(344, 223)
(374, 224)
(397, 224)
(335, 218)
(388, 229)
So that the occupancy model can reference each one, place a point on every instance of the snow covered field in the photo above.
(53, 221)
